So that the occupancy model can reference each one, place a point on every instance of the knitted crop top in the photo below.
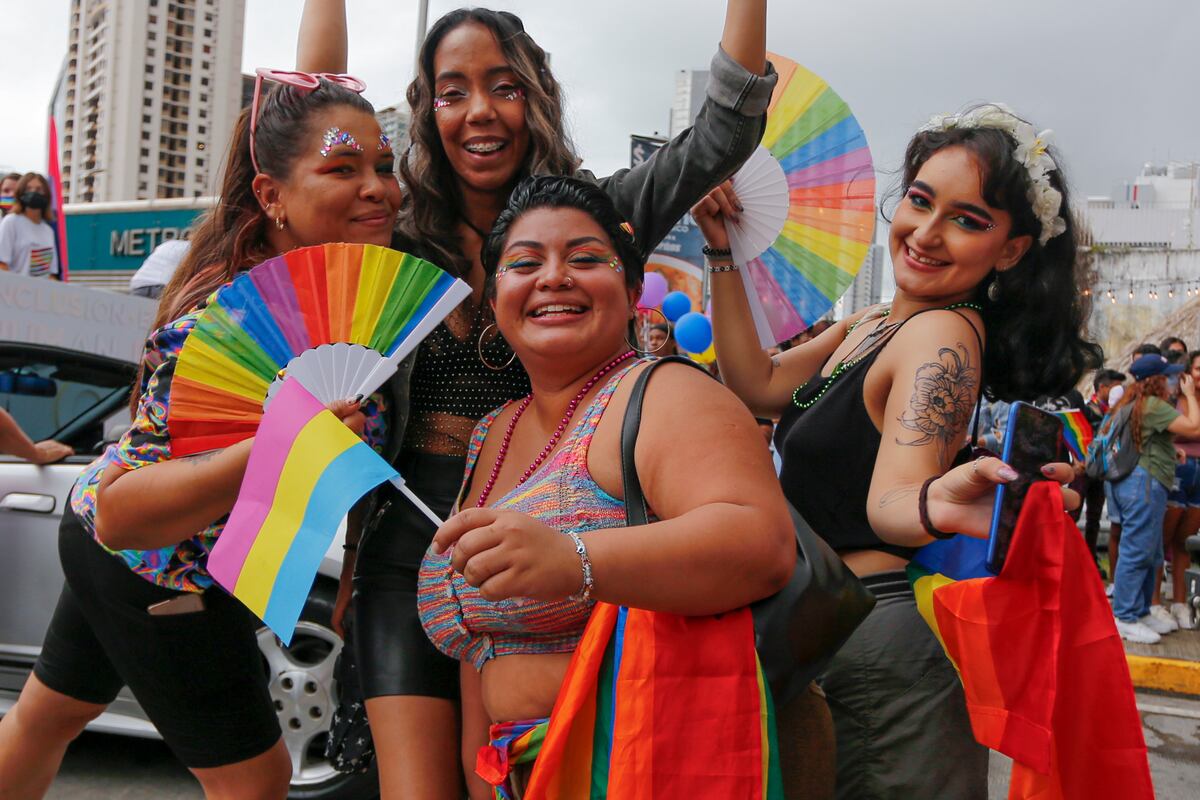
(563, 495)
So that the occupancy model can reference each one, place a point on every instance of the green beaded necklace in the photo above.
(842, 366)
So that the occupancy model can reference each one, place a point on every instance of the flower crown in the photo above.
(1030, 151)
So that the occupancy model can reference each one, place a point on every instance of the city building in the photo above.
(148, 97)
(393, 121)
(690, 88)
(1144, 248)
(867, 288)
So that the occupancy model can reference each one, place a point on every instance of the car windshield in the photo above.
(65, 396)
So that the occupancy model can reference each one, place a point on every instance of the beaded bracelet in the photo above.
(716, 251)
(722, 268)
(585, 592)
(923, 510)
(350, 546)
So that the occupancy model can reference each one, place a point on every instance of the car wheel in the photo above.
(305, 695)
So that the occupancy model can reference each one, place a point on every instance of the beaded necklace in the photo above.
(554, 437)
(842, 366)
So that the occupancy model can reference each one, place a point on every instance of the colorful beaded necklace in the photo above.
(842, 366)
(554, 437)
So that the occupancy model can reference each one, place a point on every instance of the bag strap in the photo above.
(636, 512)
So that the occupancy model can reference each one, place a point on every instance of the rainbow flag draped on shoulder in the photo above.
(653, 705)
(1035, 647)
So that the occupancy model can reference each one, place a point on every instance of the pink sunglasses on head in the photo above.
(300, 80)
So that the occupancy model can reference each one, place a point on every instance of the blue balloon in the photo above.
(693, 332)
(675, 305)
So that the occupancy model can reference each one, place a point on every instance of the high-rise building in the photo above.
(690, 88)
(148, 97)
(867, 288)
(393, 122)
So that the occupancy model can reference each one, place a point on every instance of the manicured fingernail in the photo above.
(739, 206)
(1048, 470)
(358, 398)
(436, 548)
(1008, 473)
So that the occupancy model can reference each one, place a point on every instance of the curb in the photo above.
(1164, 674)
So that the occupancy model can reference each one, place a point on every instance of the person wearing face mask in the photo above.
(8, 192)
(27, 244)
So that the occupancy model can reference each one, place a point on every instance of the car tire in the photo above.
(305, 694)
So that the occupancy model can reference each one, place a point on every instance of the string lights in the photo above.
(1154, 289)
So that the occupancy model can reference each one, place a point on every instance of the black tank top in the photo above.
(829, 451)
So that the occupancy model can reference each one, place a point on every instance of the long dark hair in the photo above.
(232, 235)
(434, 205)
(1136, 395)
(561, 192)
(1036, 326)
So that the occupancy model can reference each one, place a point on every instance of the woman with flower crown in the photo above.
(988, 301)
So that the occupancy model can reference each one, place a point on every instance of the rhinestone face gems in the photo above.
(336, 136)
(439, 103)
(384, 142)
(615, 263)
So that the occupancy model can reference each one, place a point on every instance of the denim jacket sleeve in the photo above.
(655, 195)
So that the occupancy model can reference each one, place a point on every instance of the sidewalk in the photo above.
(1172, 665)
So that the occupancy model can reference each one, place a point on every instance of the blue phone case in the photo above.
(993, 564)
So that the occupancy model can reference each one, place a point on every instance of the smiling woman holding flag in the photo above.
(984, 254)
(137, 608)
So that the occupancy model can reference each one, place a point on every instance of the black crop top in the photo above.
(451, 389)
(829, 452)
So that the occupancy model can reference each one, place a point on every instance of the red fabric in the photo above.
(1042, 666)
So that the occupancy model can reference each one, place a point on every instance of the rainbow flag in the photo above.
(653, 705)
(54, 174)
(306, 470)
(1077, 432)
(1035, 647)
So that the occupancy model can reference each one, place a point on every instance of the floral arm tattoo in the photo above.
(942, 400)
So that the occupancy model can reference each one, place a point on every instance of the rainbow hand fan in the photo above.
(810, 219)
(337, 317)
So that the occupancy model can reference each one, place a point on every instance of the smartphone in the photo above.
(190, 603)
(1033, 438)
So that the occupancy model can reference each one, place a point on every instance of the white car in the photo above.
(68, 357)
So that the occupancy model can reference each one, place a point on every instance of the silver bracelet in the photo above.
(585, 592)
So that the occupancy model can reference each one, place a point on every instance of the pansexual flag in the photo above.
(654, 705)
(1077, 432)
(306, 470)
(1035, 647)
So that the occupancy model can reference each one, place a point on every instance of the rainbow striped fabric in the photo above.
(1077, 432)
(306, 470)
(653, 705)
(1035, 647)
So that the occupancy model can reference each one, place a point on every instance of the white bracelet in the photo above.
(718, 267)
(585, 592)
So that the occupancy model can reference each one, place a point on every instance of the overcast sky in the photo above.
(1116, 80)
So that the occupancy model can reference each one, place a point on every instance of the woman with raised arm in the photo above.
(138, 608)
(989, 300)
(486, 112)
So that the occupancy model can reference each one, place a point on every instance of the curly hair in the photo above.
(1154, 386)
(434, 203)
(1039, 300)
(561, 192)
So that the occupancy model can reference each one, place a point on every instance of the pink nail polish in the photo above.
(1008, 473)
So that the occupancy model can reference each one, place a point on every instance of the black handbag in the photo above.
(349, 747)
(798, 629)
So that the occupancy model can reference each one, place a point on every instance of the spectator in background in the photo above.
(8, 191)
(156, 271)
(1094, 493)
(27, 244)
(1173, 345)
(661, 342)
(15, 442)
(1147, 349)
(1182, 518)
(1141, 496)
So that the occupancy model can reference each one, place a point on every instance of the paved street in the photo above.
(101, 767)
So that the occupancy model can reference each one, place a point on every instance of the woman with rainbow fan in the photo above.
(984, 252)
(486, 112)
(512, 580)
(310, 167)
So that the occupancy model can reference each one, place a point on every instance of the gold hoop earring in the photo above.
(479, 347)
(666, 322)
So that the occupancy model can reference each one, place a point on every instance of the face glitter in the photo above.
(384, 142)
(615, 263)
(336, 136)
(439, 103)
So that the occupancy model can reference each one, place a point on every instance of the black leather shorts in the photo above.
(395, 657)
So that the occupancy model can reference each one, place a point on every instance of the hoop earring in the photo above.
(479, 347)
(993, 290)
(279, 223)
(637, 349)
